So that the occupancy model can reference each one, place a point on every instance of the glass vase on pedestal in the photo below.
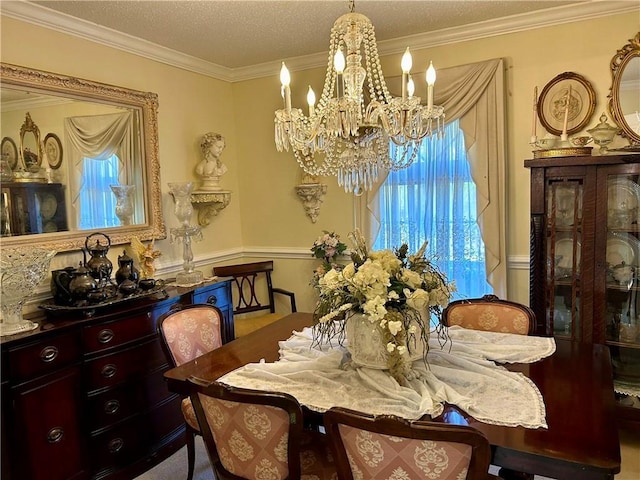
(124, 204)
(183, 210)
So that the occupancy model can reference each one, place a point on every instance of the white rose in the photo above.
(418, 299)
(390, 347)
(410, 278)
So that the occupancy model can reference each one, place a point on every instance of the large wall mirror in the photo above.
(624, 99)
(77, 157)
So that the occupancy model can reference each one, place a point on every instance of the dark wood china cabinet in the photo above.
(585, 259)
(85, 397)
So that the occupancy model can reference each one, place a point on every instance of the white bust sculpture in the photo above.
(210, 168)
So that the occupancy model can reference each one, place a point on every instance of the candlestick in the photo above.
(564, 135)
(534, 125)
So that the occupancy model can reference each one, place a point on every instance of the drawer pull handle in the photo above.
(49, 354)
(111, 406)
(212, 300)
(109, 370)
(115, 445)
(55, 435)
(105, 336)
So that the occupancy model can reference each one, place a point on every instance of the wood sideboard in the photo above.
(85, 398)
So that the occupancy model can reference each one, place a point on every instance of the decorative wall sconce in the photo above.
(209, 204)
(311, 195)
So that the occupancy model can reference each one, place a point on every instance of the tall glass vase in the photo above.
(21, 271)
(183, 210)
(124, 202)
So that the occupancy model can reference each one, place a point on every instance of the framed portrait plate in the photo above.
(552, 103)
(10, 152)
(53, 150)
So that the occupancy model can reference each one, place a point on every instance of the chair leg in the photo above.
(191, 451)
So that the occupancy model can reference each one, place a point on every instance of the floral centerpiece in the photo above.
(396, 292)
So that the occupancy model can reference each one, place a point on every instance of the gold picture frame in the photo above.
(9, 152)
(552, 102)
(53, 150)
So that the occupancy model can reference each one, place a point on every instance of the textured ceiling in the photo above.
(237, 34)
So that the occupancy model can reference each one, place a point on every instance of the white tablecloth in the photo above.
(465, 372)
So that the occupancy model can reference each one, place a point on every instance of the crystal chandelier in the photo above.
(343, 135)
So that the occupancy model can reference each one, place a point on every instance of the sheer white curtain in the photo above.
(100, 137)
(474, 95)
(436, 200)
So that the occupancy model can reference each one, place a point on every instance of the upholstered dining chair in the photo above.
(188, 332)
(252, 434)
(255, 304)
(490, 313)
(386, 446)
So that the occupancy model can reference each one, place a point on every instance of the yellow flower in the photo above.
(394, 327)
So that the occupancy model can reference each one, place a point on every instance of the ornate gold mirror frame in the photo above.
(30, 147)
(624, 98)
(146, 103)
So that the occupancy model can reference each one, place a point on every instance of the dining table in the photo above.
(580, 438)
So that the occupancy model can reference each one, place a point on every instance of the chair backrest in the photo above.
(190, 331)
(492, 314)
(247, 278)
(249, 434)
(386, 446)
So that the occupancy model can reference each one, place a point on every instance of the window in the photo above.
(435, 200)
(97, 202)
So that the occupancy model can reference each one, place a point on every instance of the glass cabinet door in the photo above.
(622, 301)
(563, 245)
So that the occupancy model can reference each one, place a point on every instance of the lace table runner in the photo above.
(463, 373)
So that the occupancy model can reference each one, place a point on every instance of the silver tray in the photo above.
(114, 298)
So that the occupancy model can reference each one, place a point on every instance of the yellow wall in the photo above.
(265, 214)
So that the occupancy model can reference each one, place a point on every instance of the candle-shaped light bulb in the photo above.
(311, 100)
(431, 79)
(411, 88)
(406, 68)
(339, 61)
(338, 65)
(406, 62)
(431, 74)
(285, 78)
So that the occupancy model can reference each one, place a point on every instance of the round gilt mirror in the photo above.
(624, 99)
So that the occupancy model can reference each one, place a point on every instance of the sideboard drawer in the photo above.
(118, 446)
(218, 294)
(127, 400)
(125, 365)
(43, 357)
(111, 334)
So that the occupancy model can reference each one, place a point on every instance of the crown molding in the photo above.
(44, 17)
(61, 22)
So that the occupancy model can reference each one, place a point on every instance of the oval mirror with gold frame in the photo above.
(25, 93)
(30, 145)
(624, 98)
